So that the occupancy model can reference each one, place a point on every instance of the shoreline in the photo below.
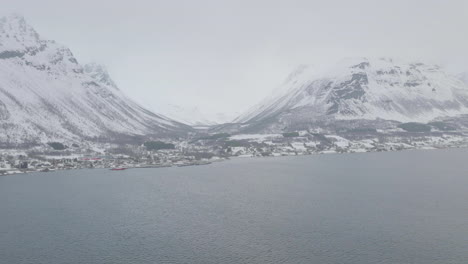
(19, 171)
(208, 162)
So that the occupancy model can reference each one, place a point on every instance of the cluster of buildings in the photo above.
(13, 164)
(219, 147)
(306, 143)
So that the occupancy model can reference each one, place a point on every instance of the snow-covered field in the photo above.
(255, 137)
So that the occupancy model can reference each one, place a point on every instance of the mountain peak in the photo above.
(14, 19)
(16, 34)
(45, 94)
(20, 43)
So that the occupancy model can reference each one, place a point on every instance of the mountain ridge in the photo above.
(361, 88)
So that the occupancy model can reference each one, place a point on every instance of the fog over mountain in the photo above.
(233, 131)
(195, 117)
(225, 56)
(463, 77)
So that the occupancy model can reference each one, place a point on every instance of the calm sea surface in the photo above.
(379, 208)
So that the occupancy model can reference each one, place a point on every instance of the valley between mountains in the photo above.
(56, 113)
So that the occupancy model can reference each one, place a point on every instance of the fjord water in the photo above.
(398, 207)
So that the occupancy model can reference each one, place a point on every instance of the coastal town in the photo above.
(215, 147)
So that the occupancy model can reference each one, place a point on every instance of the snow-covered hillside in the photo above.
(45, 94)
(366, 89)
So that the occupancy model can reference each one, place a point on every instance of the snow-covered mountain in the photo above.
(45, 94)
(364, 89)
(195, 117)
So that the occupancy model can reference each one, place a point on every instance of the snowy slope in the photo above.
(363, 89)
(45, 94)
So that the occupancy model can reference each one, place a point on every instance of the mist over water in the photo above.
(395, 207)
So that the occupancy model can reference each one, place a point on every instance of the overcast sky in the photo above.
(225, 56)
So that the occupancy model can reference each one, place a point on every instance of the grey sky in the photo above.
(225, 56)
